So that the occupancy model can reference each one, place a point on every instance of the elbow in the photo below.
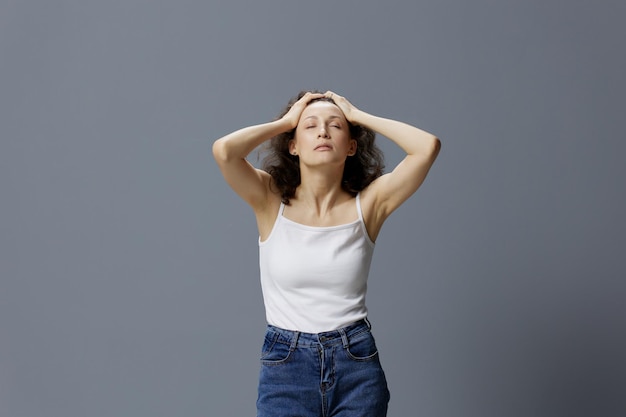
(220, 153)
(435, 147)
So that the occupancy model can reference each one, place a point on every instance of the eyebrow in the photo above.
(316, 117)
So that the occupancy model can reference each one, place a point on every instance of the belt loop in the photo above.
(294, 341)
(344, 338)
(369, 325)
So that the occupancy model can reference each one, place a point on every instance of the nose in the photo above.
(322, 132)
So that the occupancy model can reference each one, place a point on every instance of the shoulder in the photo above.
(373, 211)
(267, 213)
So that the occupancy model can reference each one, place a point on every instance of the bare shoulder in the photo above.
(373, 214)
(266, 214)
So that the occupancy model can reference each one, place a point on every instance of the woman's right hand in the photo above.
(294, 113)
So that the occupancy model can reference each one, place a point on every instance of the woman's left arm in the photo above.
(389, 191)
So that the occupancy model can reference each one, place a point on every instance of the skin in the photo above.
(319, 199)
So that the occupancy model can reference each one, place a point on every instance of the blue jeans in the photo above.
(334, 373)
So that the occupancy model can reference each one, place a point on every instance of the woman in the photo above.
(320, 203)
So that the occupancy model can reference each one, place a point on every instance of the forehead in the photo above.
(323, 109)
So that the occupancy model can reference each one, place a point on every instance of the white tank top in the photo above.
(314, 279)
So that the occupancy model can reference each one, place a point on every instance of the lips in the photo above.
(323, 147)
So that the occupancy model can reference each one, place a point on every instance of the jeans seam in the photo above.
(266, 362)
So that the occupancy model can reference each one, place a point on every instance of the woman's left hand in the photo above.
(344, 105)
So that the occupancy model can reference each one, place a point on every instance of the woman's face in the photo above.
(322, 135)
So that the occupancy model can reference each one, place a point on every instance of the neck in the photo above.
(320, 190)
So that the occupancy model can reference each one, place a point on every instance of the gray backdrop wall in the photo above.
(129, 276)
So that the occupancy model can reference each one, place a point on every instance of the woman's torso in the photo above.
(314, 277)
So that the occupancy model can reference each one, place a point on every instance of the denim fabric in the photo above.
(334, 373)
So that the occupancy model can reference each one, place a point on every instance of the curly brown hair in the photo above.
(360, 169)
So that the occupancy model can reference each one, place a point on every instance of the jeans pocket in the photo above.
(274, 352)
(362, 347)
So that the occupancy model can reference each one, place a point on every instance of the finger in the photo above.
(310, 96)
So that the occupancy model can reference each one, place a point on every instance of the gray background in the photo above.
(129, 276)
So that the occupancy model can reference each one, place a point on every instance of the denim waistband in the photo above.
(302, 339)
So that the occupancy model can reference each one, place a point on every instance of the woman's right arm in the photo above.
(230, 152)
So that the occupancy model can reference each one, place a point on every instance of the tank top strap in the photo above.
(358, 206)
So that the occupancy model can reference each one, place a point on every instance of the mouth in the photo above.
(323, 147)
